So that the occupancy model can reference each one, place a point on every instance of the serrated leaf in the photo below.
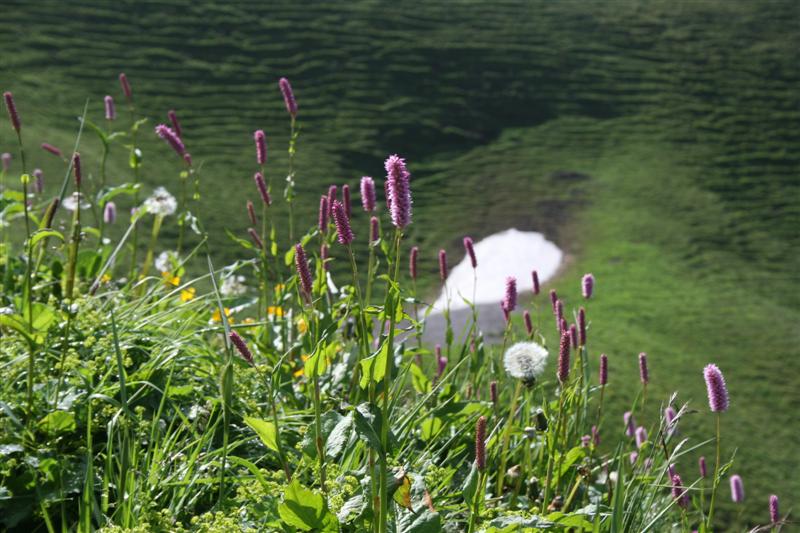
(366, 427)
(338, 436)
(352, 509)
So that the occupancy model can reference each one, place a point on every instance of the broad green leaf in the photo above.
(58, 422)
(374, 366)
(421, 382)
(17, 323)
(265, 430)
(305, 509)
(338, 436)
(366, 427)
(572, 521)
(430, 427)
(328, 421)
(317, 363)
(352, 509)
(569, 459)
(425, 522)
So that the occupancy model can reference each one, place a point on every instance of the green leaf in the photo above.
(38, 235)
(305, 509)
(247, 245)
(402, 494)
(430, 427)
(126, 188)
(569, 459)
(58, 422)
(421, 382)
(374, 366)
(18, 324)
(328, 421)
(352, 509)
(317, 363)
(570, 521)
(338, 436)
(470, 485)
(366, 426)
(425, 522)
(266, 431)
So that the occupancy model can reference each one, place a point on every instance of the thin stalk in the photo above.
(318, 406)
(553, 438)
(74, 243)
(151, 246)
(715, 483)
(507, 437)
(387, 382)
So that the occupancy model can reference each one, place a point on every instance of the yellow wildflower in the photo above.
(187, 294)
(169, 279)
(105, 279)
(302, 325)
(275, 311)
(217, 318)
(299, 372)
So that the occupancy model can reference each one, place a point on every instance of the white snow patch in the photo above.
(508, 253)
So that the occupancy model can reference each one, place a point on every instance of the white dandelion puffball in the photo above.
(525, 360)
(161, 203)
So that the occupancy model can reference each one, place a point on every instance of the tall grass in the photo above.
(272, 395)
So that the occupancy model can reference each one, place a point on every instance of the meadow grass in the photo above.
(681, 119)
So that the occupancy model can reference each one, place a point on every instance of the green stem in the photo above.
(387, 383)
(715, 483)
(148, 259)
(506, 438)
(552, 446)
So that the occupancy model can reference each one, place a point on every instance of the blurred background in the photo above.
(657, 143)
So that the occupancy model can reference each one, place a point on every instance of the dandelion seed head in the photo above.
(525, 361)
(161, 203)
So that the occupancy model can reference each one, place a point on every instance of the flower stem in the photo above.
(715, 481)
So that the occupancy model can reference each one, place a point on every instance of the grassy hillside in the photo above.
(683, 118)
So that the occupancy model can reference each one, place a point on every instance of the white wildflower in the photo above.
(161, 203)
(525, 361)
(233, 286)
(165, 261)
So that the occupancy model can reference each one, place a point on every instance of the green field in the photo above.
(682, 117)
